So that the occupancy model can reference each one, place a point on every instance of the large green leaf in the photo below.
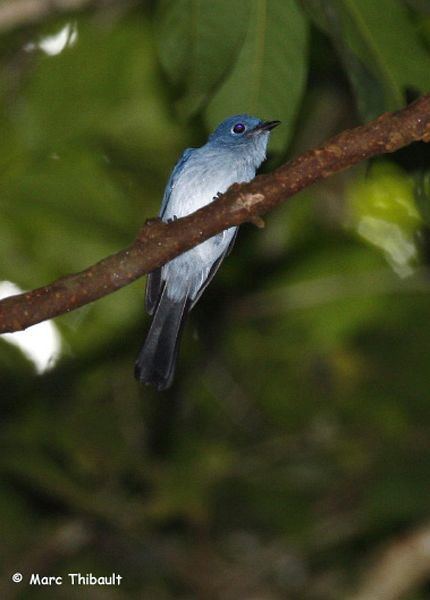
(367, 86)
(269, 75)
(382, 33)
(198, 42)
(379, 47)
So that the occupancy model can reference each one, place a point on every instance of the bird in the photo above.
(232, 154)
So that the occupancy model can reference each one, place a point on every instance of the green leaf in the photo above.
(174, 45)
(383, 212)
(269, 75)
(382, 33)
(381, 51)
(367, 86)
(198, 43)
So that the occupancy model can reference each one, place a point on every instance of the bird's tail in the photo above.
(156, 361)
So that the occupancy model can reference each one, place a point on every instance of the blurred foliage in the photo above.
(295, 440)
(380, 49)
(384, 212)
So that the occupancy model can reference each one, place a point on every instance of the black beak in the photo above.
(265, 126)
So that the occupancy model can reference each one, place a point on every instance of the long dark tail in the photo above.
(156, 361)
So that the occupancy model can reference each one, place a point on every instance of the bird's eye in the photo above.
(239, 128)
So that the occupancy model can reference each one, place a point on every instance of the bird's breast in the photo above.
(201, 181)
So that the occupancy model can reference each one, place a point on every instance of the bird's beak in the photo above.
(265, 126)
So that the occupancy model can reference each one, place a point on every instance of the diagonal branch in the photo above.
(159, 242)
(403, 565)
(22, 13)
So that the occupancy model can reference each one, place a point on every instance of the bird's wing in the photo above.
(154, 284)
(172, 179)
(214, 268)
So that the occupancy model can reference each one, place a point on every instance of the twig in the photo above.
(403, 565)
(159, 242)
(21, 13)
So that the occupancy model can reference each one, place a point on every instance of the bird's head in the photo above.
(245, 133)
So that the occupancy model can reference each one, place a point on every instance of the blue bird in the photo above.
(232, 154)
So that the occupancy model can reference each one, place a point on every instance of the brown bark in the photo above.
(159, 242)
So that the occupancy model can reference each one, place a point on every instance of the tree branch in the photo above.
(22, 13)
(403, 565)
(159, 242)
(26, 12)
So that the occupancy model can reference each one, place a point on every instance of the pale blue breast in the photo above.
(206, 173)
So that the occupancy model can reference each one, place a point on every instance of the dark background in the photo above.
(291, 457)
